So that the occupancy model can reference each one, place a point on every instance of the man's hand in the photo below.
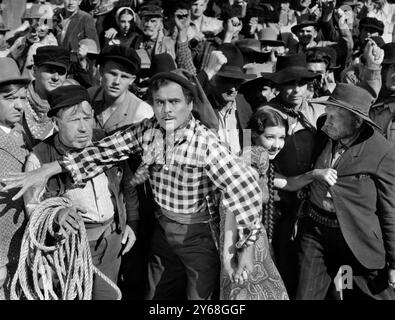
(128, 239)
(245, 264)
(216, 60)
(32, 179)
(233, 27)
(182, 19)
(328, 176)
(373, 55)
(82, 52)
(141, 175)
(254, 25)
(68, 220)
(110, 33)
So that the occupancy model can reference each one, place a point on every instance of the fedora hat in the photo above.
(304, 24)
(9, 72)
(269, 36)
(234, 67)
(251, 51)
(254, 85)
(352, 98)
(292, 68)
(389, 53)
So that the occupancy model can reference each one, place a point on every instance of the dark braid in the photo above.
(269, 207)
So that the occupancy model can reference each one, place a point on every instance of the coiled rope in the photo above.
(50, 268)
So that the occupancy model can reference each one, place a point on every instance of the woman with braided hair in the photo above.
(261, 280)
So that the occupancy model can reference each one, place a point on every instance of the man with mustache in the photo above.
(51, 64)
(100, 204)
(350, 224)
(185, 163)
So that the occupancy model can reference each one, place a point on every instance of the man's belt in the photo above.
(96, 230)
(325, 218)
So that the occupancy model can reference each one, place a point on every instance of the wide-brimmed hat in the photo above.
(292, 68)
(66, 96)
(234, 66)
(269, 36)
(304, 24)
(251, 51)
(253, 85)
(52, 55)
(327, 54)
(9, 72)
(36, 11)
(128, 57)
(352, 98)
(389, 53)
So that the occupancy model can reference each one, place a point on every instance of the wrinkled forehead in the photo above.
(84, 108)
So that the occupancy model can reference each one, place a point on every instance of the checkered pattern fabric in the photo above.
(195, 163)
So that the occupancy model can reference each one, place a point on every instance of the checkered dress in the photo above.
(194, 164)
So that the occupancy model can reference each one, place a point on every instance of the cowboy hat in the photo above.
(234, 67)
(292, 68)
(269, 36)
(352, 98)
(9, 72)
(304, 24)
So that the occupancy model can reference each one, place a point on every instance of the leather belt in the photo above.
(325, 218)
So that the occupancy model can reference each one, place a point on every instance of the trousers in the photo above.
(183, 263)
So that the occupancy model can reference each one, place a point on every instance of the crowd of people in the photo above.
(233, 149)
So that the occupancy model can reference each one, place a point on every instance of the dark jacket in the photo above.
(56, 186)
(364, 197)
(82, 26)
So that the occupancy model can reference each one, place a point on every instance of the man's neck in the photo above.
(346, 141)
(40, 92)
(112, 102)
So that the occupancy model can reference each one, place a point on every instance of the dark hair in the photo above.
(157, 84)
(260, 120)
(264, 118)
(8, 88)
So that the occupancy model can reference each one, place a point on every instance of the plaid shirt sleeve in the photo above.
(241, 194)
(184, 57)
(91, 161)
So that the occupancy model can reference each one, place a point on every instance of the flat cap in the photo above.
(66, 96)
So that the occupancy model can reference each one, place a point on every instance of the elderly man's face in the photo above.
(152, 26)
(71, 6)
(198, 8)
(389, 77)
(171, 107)
(75, 125)
(11, 106)
(340, 123)
(294, 93)
(307, 35)
(116, 79)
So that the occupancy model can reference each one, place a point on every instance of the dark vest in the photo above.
(57, 185)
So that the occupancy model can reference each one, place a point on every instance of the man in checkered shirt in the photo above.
(185, 162)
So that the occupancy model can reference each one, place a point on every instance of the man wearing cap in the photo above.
(153, 41)
(50, 68)
(114, 105)
(14, 148)
(232, 109)
(74, 25)
(350, 223)
(185, 163)
(100, 203)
